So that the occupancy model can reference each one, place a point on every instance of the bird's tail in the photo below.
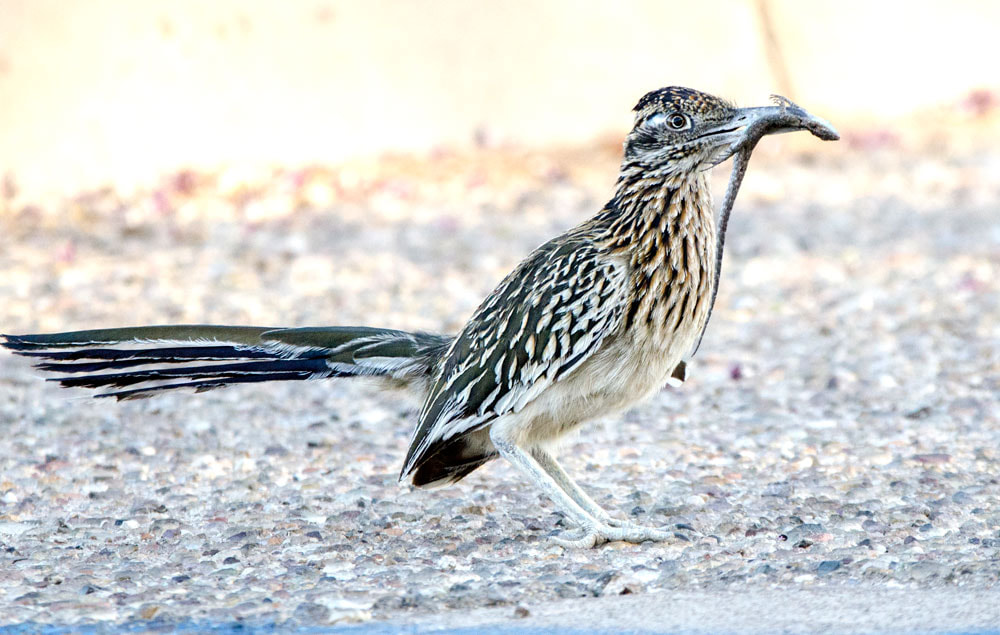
(130, 363)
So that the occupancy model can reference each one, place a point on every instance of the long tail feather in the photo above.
(63, 361)
(198, 386)
(216, 356)
(246, 335)
(303, 368)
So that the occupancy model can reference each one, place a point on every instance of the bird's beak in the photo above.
(748, 125)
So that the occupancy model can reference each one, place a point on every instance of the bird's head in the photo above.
(683, 130)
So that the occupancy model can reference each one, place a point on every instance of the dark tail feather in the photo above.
(198, 386)
(257, 371)
(61, 361)
(216, 356)
(211, 357)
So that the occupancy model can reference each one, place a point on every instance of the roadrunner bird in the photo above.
(590, 323)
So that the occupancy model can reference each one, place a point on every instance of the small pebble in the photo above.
(828, 566)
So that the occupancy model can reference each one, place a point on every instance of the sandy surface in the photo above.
(764, 610)
(838, 437)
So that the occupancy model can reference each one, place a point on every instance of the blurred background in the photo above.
(112, 92)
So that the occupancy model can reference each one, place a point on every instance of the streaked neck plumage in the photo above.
(665, 226)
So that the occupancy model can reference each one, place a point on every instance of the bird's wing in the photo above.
(544, 320)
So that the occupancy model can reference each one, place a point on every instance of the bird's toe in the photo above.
(597, 535)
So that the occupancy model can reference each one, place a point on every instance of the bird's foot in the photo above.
(610, 520)
(619, 523)
(597, 534)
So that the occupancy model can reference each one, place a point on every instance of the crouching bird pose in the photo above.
(590, 323)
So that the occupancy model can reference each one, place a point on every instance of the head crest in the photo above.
(680, 98)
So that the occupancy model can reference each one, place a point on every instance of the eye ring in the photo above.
(677, 121)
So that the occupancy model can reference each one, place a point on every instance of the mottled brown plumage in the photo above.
(588, 324)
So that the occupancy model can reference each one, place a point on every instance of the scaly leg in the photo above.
(596, 531)
(577, 493)
(568, 485)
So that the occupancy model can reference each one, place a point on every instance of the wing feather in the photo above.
(541, 323)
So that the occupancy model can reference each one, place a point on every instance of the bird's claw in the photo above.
(598, 534)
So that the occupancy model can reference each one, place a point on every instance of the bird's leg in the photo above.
(568, 485)
(596, 531)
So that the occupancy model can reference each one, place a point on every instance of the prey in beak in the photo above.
(746, 128)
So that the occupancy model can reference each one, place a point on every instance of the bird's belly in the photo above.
(622, 373)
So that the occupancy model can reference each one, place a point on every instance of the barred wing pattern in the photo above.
(541, 323)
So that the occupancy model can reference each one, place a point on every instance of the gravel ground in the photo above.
(839, 432)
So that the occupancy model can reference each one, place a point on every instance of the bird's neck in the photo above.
(665, 226)
(667, 207)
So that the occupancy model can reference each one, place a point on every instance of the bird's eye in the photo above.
(677, 121)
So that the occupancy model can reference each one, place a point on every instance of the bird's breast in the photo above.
(672, 266)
